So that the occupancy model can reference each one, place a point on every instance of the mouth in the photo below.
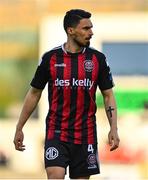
(88, 38)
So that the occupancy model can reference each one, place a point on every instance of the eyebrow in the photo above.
(88, 26)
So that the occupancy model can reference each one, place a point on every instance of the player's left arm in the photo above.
(111, 112)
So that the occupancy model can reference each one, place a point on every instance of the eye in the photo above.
(86, 28)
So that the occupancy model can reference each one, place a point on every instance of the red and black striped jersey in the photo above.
(72, 82)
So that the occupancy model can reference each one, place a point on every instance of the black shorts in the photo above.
(82, 159)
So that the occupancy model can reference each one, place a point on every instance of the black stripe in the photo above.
(95, 130)
(50, 95)
(59, 75)
(73, 98)
(88, 75)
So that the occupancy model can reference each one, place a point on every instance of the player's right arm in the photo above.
(31, 100)
(41, 77)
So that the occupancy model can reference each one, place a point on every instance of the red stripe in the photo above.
(66, 105)
(54, 99)
(92, 107)
(80, 102)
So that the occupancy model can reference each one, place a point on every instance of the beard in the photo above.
(88, 44)
(80, 44)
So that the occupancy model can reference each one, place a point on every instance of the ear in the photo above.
(70, 30)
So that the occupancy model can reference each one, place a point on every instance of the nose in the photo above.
(91, 32)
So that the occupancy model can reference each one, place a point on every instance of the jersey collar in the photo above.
(72, 53)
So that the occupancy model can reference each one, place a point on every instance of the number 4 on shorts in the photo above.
(90, 148)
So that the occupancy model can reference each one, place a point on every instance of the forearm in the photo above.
(110, 108)
(111, 111)
(30, 103)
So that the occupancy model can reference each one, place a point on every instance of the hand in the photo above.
(113, 139)
(18, 140)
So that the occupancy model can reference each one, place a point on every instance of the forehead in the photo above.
(85, 23)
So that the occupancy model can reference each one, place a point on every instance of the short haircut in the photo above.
(73, 17)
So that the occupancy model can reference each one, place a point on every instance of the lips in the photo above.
(88, 38)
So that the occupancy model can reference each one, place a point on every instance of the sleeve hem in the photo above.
(37, 87)
(108, 87)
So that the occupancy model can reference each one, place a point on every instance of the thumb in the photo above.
(110, 140)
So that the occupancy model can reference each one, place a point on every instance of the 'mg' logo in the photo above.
(52, 153)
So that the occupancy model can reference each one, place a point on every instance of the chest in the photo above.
(72, 68)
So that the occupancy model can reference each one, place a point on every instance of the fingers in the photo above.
(110, 140)
(115, 144)
(114, 147)
(19, 146)
(114, 140)
(18, 141)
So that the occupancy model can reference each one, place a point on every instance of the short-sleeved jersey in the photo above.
(72, 82)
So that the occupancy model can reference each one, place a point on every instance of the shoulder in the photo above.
(98, 54)
(46, 56)
(52, 51)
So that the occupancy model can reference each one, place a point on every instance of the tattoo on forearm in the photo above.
(110, 109)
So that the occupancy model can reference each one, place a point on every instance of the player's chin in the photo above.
(87, 43)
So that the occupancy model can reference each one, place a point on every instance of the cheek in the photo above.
(80, 36)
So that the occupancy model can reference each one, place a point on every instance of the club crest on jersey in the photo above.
(88, 65)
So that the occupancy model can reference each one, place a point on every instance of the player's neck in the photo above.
(72, 47)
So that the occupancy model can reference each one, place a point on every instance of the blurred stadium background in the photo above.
(31, 27)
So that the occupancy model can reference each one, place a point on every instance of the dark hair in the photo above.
(73, 17)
